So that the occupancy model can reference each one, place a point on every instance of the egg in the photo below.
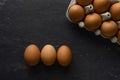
(109, 28)
(93, 21)
(118, 36)
(76, 13)
(48, 55)
(84, 2)
(101, 5)
(64, 56)
(32, 55)
(115, 11)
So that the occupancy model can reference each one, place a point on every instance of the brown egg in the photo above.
(76, 13)
(84, 2)
(109, 28)
(101, 5)
(118, 35)
(48, 55)
(64, 56)
(115, 11)
(32, 55)
(93, 21)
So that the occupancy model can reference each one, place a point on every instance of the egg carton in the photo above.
(105, 16)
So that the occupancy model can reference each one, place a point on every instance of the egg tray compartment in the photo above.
(105, 16)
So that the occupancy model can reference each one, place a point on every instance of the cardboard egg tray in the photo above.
(105, 16)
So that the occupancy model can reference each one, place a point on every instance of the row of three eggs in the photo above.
(32, 55)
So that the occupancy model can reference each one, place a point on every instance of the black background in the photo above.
(42, 22)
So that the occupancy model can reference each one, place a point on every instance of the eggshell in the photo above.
(76, 13)
(118, 36)
(115, 11)
(109, 28)
(64, 55)
(101, 5)
(32, 55)
(84, 2)
(93, 21)
(48, 55)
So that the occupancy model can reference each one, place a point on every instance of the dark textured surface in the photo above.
(23, 22)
